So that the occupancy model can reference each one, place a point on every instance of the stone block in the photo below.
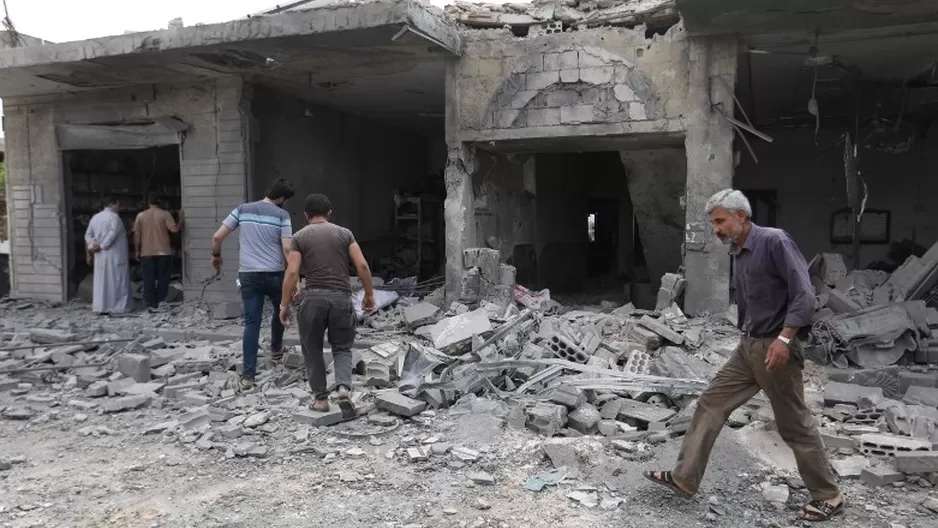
(539, 80)
(643, 413)
(835, 441)
(569, 60)
(546, 418)
(917, 462)
(886, 445)
(163, 356)
(125, 403)
(538, 117)
(569, 396)
(850, 467)
(420, 314)
(175, 391)
(835, 393)
(917, 395)
(136, 366)
(661, 329)
(570, 75)
(227, 310)
(598, 75)
(97, 389)
(396, 403)
(920, 379)
(584, 419)
(574, 115)
(318, 419)
(880, 476)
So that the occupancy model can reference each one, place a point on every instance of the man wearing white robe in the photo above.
(106, 241)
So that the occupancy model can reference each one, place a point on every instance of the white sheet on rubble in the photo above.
(383, 299)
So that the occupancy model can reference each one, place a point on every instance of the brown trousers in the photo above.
(738, 381)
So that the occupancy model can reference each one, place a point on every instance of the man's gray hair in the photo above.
(731, 200)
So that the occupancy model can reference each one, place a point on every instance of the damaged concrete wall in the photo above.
(504, 207)
(213, 170)
(810, 187)
(356, 162)
(604, 81)
(656, 180)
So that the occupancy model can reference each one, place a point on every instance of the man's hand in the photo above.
(285, 315)
(216, 263)
(369, 303)
(777, 356)
(297, 292)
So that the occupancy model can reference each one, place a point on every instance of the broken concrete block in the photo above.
(175, 391)
(506, 275)
(481, 477)
(96, 389)
(396, 403)
(118, 387)
(546, 418)
(568, 395)
(919, 379)
(50, 336)
(835, 441)
(163, 356)
(778, 494)
(661, 329)
(149, 389)
(643, 413)
(227, 310)
(672, 286)
(420, 314)
(584, 419)
(880, 476)
(917, 462)
(318, 419)
(647, 339)
(377, 374)
(565, 349)
(835, 393)
(926, 396)
(608, 427)
(459, 329)
(886, 378)
(125, 403)
(674, 362)
(136, 366)
(850, 467)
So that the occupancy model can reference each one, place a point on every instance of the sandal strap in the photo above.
(822, 506)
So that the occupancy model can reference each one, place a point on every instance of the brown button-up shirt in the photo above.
(153, 227)
(773, 286)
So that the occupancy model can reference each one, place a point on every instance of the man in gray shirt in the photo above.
(321, 252)
(775, 299)
(266, 233)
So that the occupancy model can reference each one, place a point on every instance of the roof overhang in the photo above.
(321, 46)
(769, 17)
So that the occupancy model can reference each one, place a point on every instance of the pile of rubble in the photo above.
(874, 319)
(554, 16)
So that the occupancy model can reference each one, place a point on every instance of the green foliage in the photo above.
(3, 177)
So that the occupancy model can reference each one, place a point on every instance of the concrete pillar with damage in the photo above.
(709, 146)
(458, 213)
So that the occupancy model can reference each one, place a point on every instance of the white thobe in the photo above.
(112, 293)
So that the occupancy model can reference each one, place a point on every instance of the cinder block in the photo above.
(638, 362)
(890, 445)
(396, 403)
(136, 366)
(917, 462)
(563, 348)
(880, 476)
(377, 374)
(546, 418)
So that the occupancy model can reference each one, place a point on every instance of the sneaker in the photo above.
(246, 384)
(345, 403)
(320, 405)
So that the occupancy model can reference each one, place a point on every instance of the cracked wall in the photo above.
(606, 81)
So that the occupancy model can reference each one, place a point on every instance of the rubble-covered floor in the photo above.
(194, 453)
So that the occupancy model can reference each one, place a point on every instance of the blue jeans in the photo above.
(156, 278)
(255, 286)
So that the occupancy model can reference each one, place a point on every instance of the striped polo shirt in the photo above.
(262, 225)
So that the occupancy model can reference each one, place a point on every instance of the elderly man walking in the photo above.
(774, 298)
(106, 243)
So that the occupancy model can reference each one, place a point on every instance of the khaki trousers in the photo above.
(737, 382)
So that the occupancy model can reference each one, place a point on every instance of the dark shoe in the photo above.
(246, 384)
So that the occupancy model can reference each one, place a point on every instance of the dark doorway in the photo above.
(603, 229)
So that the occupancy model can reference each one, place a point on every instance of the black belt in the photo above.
(757, 335)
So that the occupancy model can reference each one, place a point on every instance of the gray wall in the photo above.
(810, 186)
(356, 162)
(213, 167)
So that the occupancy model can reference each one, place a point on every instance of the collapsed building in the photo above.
(580, 139)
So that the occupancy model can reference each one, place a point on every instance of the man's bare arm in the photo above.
(287, 245)
(218, 238)
(362, 268)
(291, 278)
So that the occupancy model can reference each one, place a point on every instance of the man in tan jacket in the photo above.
(154, 250)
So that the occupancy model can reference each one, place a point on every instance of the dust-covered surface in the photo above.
(214, 457)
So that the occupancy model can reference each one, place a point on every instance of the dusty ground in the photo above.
(78, 467)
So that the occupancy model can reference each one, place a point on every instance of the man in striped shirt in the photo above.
(266, 236)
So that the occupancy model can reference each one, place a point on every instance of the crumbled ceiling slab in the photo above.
(570, 13)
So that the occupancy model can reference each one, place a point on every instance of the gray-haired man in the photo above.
(775, 298)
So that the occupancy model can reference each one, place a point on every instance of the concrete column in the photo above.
(709, 146)
(458, 214)
(656, 180)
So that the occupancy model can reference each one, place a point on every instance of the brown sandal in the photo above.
(276, 355)
(665, 479)
(824, 511)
